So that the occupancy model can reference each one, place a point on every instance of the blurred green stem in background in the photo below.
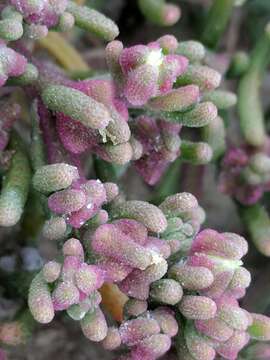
(106, 171)
(257, 221)
(16, 184)
(249, 103)
(216, 22)
(239, 65)
(169, 184)
(214, 134)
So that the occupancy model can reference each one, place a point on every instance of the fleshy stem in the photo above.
(197, 153)
(239, 65)
(38, 157)
(257, 222)
(16, 184)
(253, 302)
(170, 182)
(215, 134)
(249, 104)
(33, 220)
(64, 53)
(216, 22)
(106, 171)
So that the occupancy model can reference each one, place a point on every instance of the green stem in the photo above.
(36, 208)
(257, 222)
(214, 134)
(106, 171)
(38, 153)
(169, 184)
(216, 22)
(239, 65)
(249, 104)
(16, 184)
(196, 153)
(32, 220)
(180, 344)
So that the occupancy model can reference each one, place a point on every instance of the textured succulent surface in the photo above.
(116, 157)
(202, 284)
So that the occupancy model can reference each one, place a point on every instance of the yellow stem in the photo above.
(64, 53)
(113, 300)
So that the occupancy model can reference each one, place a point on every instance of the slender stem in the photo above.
(249, 104)
(15, 185)
(196, 153)
(33, 219)
(215, 134)
(106, 171)
(216, 22)
(239, 65)
(55, 152)
(257, 222)
(38, 153)
(193, 179)
(169, 184)
(63, 52)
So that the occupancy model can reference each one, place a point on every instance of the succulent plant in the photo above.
(146, 276)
